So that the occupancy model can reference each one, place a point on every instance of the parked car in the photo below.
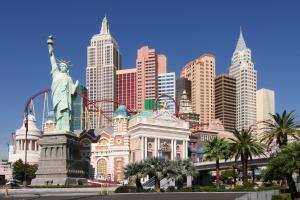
(13, 184)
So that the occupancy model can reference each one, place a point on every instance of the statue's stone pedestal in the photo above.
(59, 162)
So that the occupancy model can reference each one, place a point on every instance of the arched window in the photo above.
(101, 167)
(103, 142)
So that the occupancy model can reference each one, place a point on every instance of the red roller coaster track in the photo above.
(168, 96)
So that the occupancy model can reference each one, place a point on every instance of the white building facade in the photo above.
(17, 148)
(167, 86)
(242, 68)
(103, 59)
(265, 105)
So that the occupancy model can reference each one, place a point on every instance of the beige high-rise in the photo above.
(201, 72)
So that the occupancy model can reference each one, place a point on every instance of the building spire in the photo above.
(105, 26)
(241, 44)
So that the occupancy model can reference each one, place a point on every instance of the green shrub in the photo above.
(131, 189)
(126, 189)
(171, 189)
(285, 196)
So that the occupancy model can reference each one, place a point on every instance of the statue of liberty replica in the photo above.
(62, 89)
(60, 162)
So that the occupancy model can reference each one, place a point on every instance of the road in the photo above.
(147, 196)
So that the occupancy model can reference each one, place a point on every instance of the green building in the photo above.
(78, 109)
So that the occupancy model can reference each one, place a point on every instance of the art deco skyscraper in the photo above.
(242, 69)
(103, 59)
(201, 72)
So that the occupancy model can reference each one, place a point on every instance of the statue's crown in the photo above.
(66, 62)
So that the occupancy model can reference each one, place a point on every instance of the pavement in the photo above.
(136, 196)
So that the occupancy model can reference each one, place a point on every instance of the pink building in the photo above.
(162, 64)
(201, 72)
(148, 64)
(126, 87)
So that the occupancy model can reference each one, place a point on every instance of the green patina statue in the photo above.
(62, 89)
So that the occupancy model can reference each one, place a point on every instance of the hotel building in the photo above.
(225, 97)
(126, 87)
(242, 69)
(148, 64)
(201, 72)
(166, 86)
(103, 59)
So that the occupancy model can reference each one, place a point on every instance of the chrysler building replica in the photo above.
(103, 59)
(242, 68)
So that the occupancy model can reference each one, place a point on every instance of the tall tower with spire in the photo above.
(103, 59)
(242, 69)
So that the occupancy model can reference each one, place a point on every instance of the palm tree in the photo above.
(157, 167)
(245, 146)
(180, 170)
(135, 170)
(280, 128)
(285, 164)
(217, 149)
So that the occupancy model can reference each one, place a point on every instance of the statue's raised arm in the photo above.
(62, 89)
(50, 43)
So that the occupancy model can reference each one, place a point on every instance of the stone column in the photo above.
(172, 149)
(158, 146)
(183, 149)
(186, 149)
(155, 147)
(30, 145)
(146, 147)
(175, 151)
(142, 148)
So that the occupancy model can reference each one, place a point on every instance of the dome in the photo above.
(122, 112)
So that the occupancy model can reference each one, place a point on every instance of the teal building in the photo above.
(78, 109)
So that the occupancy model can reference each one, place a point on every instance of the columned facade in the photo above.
(155, 134)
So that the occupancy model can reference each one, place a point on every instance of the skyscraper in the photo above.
(242, 69)
(183, 84)
(201, 72)
(265, 105)
(167, 85)
(78, 109)
(103, 60)
(126, 87)
(147, 65)
(225, 97)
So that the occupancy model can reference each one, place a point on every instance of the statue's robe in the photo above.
(62, 88)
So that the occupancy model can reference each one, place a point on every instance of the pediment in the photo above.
(165, 115)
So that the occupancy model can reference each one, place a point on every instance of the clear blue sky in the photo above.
(182, 30)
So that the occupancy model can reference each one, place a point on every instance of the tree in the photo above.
(244, 145)
(135, 170)
(180, 170)
(280, 128)
(285, 164)
(19, 171)
(217, 149)
(159, 168)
